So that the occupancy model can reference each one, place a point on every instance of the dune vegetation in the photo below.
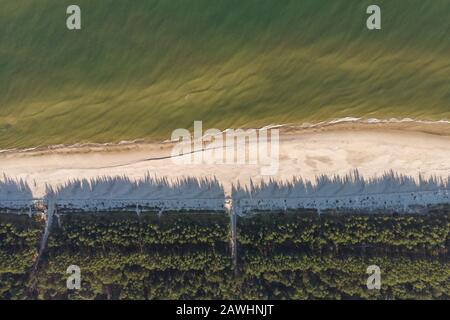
(141, 68)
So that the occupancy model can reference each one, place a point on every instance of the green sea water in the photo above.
(142, 68)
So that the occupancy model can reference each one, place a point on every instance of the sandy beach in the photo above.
(334, 149)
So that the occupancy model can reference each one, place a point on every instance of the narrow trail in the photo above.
(233, 233)
(32, 281)
(51, 208)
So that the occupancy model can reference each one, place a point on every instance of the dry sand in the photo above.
(338, 149)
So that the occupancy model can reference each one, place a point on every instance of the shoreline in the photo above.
(438, 128)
